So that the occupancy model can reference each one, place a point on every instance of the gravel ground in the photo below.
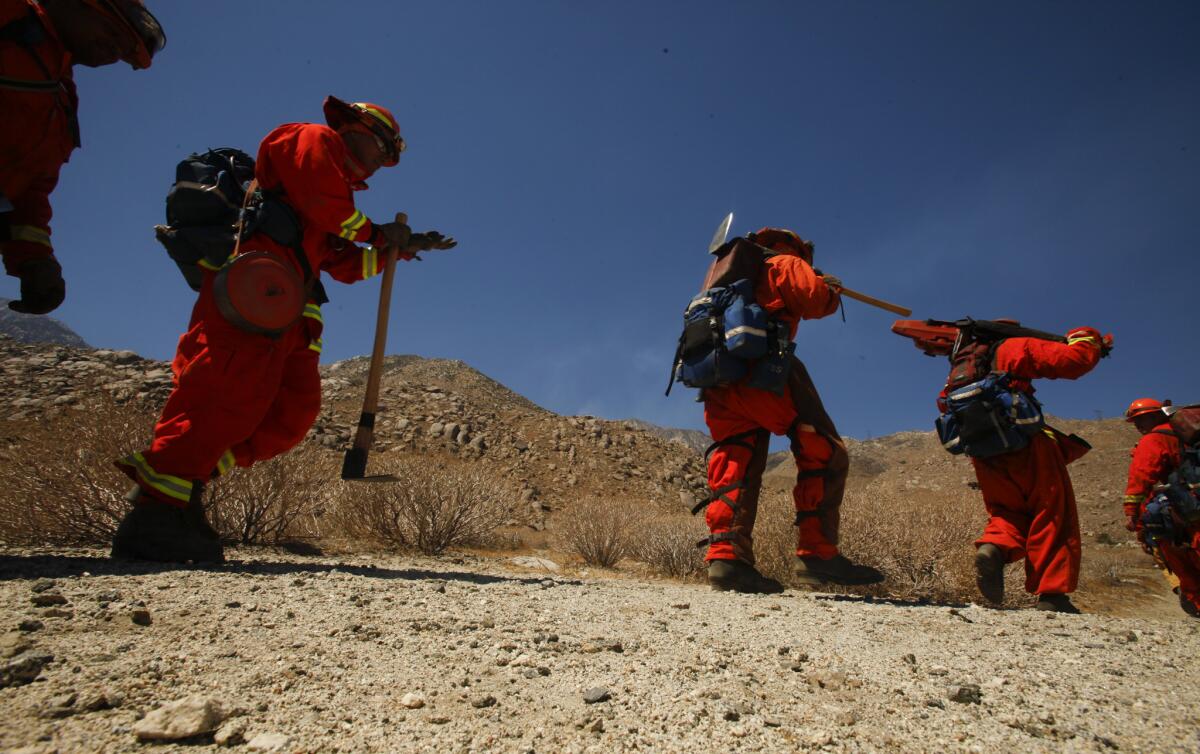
(275, 652)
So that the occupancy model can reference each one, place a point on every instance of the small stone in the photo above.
(233, 604)
(30, 625)
(596, 695)
(682, 606)
(13, 644)
(24, 668)
(268, 742)
(58, 612)
(967, 693)
(42, 585)
(231, 733)
(183, 718)
(48, 599)
(480, 702)
(141, 616)
(846, 717)
(910, 658)
(412, 701)
(596, 726)
(438, 719)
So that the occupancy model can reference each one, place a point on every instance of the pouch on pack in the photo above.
(988, 417)
(724, 331)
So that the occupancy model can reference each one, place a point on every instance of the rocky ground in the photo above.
(274, 652)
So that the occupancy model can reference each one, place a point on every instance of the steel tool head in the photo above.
(718, 239)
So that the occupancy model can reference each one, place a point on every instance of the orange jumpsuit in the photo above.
(240, 397)
(742, 419)
(38, 128)
(1155, 456)
(1027, 493)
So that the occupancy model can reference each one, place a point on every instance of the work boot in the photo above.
(196, 514)
(989, 572)
(737, 576)
(1189, 607)
(835, 570)
(1056, 603)
(163, 533)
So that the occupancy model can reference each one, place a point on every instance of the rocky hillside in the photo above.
(33, 328)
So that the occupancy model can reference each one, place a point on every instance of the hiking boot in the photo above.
(1056, 603)
(196, 514)
(165, 534)
(835, 570)
(989, 572)
(1189, 607)
(737, 576)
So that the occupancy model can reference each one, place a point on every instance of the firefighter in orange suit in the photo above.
(40, 41)
(1027, 492)
(1155, 456)
(240, 396)
(742, 419)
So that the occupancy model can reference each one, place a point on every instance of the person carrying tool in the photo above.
(246, 381)
(40, 42)
(1157, 454)
(742, 417)
(990, 414)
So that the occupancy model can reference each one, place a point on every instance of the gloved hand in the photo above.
(1131, 523)
(431, 240)
(42, 286)
(833, 281)
(393, 235)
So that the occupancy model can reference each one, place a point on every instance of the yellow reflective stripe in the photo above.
(210, 266)
(1133, 499)
(171, 486)
(226, 463)
(313, 311)
(315, 345)
(352, 225)
(30, 233)
(1081, 339)
(378, 116)
(370, 261)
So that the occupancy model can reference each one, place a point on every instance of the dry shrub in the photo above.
(598, 530)
(57, 480)
(277, 500)
(667, 543)
(429, 509)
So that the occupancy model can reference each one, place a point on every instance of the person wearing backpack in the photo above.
(1023, 474)
(742, 418)
(1158, 453)
(40, 42)
(245, 392)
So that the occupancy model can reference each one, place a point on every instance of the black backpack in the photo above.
(203, 206)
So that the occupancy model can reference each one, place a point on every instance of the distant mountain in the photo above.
(692, 438)
(36, 328)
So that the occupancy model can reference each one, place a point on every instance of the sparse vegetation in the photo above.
(278, 500)
(667, 543)
(599, 531)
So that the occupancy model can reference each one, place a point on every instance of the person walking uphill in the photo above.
(990, 414)
(744, 412)
(40, 42)
(245, 391)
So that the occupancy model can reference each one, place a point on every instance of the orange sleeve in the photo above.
(307, 163)
(1033, 358)
(1153, 459)
(789, 286)
(355, 263)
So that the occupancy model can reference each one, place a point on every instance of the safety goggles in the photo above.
(391, 144)
(142, 24)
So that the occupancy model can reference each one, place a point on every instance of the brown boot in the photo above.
(1056, 603)
(738, 576)
(989, 572)
(836, 570)
(163, 533)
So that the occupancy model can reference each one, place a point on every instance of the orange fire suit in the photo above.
(1027, 492)
(38, 127)
(1155, 456)
(741, 420)
(241, 397)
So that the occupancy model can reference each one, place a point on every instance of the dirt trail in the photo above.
(463, 654)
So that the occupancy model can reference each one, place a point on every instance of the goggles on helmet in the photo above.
(141, 24)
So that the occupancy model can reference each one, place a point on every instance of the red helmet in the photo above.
(140, 24)
(376, 119)
(1143, 406)
(783, 241)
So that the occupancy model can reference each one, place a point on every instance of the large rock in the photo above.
(185, 718)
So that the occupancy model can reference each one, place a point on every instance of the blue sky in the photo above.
(1030, 160)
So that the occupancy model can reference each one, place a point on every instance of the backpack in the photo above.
(728, 337)
(208, 204)
(203, 208)
(988, 417)
(1174, 511)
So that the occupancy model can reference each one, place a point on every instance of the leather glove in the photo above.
(431, 240)
(833, 281)
(42, 286)
(392, 235)
(1131, 523)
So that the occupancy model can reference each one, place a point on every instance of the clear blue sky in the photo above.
(1031, 160)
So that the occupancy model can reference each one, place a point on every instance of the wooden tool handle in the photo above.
(894, 308)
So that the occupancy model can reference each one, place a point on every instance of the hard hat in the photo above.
(376, 119)
(1142, 406)
(783, 241)
(141, 25)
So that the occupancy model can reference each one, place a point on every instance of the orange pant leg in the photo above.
(292, 413)
(735, 469)
(1184, 562)
(813, 453)
(1032, 514)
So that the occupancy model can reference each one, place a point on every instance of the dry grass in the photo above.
(428, 509)
(667, 543)
(55, 490)
(599, 531)
(276, 501)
